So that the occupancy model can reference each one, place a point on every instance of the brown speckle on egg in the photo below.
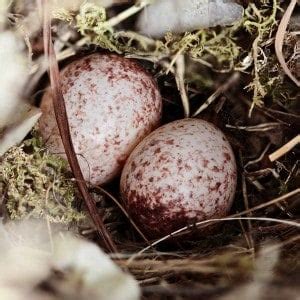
(182, 173)
(112, 104)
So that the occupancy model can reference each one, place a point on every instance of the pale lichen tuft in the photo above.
(34, 184)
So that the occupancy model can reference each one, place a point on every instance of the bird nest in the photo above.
(243, 78)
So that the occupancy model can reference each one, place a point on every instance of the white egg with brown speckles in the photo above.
(183, 172)
(112, 104)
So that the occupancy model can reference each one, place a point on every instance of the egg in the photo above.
(112, 104)
(183, 172)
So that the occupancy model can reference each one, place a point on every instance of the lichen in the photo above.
(91, 22)
(218, 48)
(63, 15)
(246, 46)
(34, 183)
(260, 22)
(215, 47)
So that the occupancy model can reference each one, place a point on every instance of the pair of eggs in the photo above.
(182, 172)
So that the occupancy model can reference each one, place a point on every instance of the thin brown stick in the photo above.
(63, 125)
(279, 40)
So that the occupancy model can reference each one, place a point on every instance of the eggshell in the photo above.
(182, 173)
(112, 104)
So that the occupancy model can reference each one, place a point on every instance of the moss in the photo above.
(217, 47)
(34, 184)
(260, 22)
(245, 46)
(63, 15)
(91, 23)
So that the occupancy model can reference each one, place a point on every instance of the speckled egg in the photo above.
(183, 172)
(112, 104)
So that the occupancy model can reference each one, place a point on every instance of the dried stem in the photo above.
(234, 217)
(128, 12)
(207, 222)
(285, 149)
(63, 125)
(279, 39)
(223, 88)
(179, 75)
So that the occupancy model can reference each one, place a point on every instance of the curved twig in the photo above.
(63, 125)
(279, 39)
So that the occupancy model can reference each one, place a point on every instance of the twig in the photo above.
(233, 79)
(269, 203)
(257, 128)
(206, 222)
(261, 188)
(48, 221)
(234, 217)
(262, 173)
(282, 244)
(292, 172)
(285, 149)
(257, 160)
(63, 125)
(179, 76)
(128, 13)
(279, 40)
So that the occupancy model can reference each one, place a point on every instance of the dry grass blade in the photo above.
(124, 212)
(208, 222)
(129, 12)
(269, 203)
(234, 217)
(285, 149)
(279, 40)
(246, 203)
(257, 128)
(180, 70)
(63, 125)
(232, 80)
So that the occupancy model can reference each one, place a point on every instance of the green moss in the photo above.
(34, 184)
